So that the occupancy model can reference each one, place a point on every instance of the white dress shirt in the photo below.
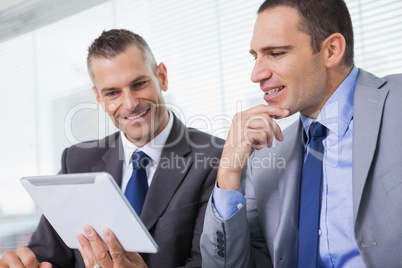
(153, 149)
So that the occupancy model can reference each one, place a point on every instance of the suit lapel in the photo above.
(172, 168)
(368, 107)
(285, 241)
(111, 160)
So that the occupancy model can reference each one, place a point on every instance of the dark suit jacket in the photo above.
(175, 204)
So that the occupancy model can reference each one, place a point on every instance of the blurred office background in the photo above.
(46, 99)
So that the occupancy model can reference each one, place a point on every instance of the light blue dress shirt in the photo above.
(337, 247)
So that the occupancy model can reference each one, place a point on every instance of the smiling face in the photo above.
(130, 91)
(289, 73)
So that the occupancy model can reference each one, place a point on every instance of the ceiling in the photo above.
(18, 17)
(8, 4)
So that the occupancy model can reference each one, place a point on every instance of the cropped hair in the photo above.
(114, 42)
(319, 19)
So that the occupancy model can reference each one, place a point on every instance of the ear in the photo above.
(334, 48)
(161, 73)
(98, 99)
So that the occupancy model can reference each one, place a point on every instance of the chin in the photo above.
(139, 136)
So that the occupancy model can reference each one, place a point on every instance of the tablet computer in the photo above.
(71, 201)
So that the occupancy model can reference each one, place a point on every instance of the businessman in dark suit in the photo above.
(128, 85)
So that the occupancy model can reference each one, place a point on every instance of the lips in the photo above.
(272, 94)
(136, 116)
(274, 90)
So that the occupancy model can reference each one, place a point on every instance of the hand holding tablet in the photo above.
(72, 201)
(95, 255)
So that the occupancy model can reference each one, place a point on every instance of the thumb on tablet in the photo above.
(119, 256)
(115, 249)
(45, 265)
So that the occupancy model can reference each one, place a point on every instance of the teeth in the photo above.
(274, 90)
(137, 116)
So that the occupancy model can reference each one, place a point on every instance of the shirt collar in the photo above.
(153, 148)
(337, 112)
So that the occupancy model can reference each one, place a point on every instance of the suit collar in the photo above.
(113, 157)
(369, 103)
(285, 241)
(172, 168)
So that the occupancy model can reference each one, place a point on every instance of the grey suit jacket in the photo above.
(264, 233)
(175, 204)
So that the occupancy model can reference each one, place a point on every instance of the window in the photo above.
(48, 104)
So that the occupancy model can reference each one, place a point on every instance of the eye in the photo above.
(277, 54)
(139, 84)
(111, 94)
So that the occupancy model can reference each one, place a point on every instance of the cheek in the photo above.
(111, 107)
(308, 77)
(159, 102)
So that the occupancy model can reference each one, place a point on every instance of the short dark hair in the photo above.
(319, 19)
(114, 42)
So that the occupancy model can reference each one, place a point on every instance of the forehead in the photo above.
(131, 59)
(275, 27)
(120, 70)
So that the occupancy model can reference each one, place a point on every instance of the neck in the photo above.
(335, 77)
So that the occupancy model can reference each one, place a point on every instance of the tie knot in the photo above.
(140, 160)
(317, 130)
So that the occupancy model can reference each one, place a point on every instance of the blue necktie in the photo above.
(137, 186)
(310, 199)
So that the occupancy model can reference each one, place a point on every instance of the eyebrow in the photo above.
(270, 48)
(139, 78)
(106, 89)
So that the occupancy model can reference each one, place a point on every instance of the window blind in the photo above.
(48, 104)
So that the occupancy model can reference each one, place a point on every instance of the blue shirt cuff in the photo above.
(227, 202)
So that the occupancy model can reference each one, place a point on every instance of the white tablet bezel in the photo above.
(71, 201)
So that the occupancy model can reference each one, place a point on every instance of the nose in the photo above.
(261, 70)
(129, 100)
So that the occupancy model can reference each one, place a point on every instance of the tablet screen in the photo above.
(71, 201)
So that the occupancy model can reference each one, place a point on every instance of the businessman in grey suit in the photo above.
(128, 85)
(346, 146)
